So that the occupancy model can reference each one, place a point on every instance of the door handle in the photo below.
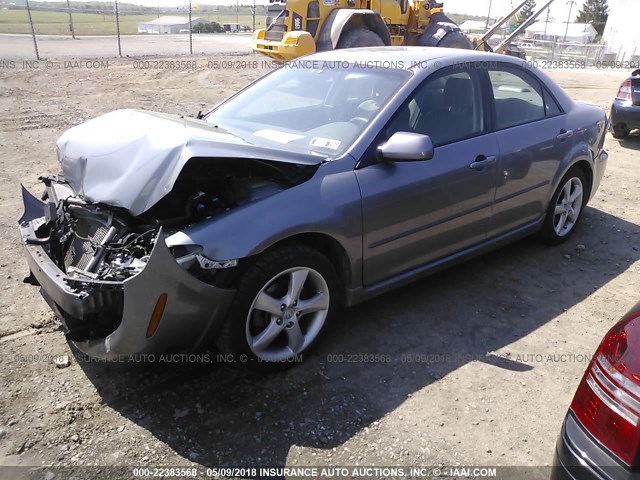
(482, 162)
(564, 134)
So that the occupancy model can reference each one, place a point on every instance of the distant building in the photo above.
(558, 32)
(169, 24)
(621, 32)
(231, 27)
(236, 28)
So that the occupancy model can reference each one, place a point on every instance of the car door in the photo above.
(417, 212)
(533, 137)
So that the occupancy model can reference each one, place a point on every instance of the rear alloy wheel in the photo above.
(565, 208)
(282, 307)
(360, 37)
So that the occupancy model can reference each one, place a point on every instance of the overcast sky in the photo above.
(499, 8)
(559, 8)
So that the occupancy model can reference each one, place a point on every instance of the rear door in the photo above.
(417, 212)
(533, 137)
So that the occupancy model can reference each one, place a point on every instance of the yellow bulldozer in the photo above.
(301, 27)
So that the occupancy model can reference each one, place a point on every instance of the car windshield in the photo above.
(320, 111)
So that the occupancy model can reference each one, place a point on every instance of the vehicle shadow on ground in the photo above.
(631, 142)
(217, 415)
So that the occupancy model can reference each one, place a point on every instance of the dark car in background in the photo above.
(625, 111)
(600, 436)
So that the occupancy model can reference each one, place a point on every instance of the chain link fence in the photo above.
(555, 54)
(41, 31)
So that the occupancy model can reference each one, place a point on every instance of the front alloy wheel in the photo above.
(287, 314)
(284, 301)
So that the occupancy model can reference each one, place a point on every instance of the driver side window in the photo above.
(447, 107)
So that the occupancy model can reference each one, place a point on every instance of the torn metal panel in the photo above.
(193, 310)
(131, 158)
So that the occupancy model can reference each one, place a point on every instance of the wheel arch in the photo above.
(587, 169)
(579, 156)
(326, 245)
(342, 20)
(547, 232)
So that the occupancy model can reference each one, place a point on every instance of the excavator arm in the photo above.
(482, 43)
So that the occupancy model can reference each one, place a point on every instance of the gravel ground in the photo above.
(480, 361)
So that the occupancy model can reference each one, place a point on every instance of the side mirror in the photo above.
(406, 147)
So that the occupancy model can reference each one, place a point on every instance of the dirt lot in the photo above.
(511, 331)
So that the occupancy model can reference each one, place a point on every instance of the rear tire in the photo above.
(565, 208)
(283, 304)
(360, 37)
(453, 39)
(619, 133)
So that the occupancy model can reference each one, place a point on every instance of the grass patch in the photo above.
(57, 23)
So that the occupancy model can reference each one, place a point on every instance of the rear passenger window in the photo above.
(551, 107)
(519, 98)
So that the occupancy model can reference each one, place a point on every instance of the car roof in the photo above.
(407, 58)
(425, 60)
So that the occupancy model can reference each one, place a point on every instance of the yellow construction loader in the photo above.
(301, 27)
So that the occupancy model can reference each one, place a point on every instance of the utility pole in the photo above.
(546, 24)
(190, 31)
(33, 31)
(488, 15)
(254, 15)
(237, 12)
(118, 29)
(570, 3)
(73, 33)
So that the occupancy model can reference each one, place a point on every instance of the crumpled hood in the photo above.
(132, 158)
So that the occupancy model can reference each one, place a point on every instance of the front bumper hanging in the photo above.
(191, 314)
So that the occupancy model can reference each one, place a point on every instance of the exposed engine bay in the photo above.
(98, 241)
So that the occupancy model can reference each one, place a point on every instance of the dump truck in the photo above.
(301, 27)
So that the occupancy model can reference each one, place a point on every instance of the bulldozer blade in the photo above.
(500, 48)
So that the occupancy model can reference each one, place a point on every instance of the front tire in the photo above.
(565, 208)
(360, 37)
(281, 309)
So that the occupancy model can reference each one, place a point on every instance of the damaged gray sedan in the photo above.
(318, 186)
